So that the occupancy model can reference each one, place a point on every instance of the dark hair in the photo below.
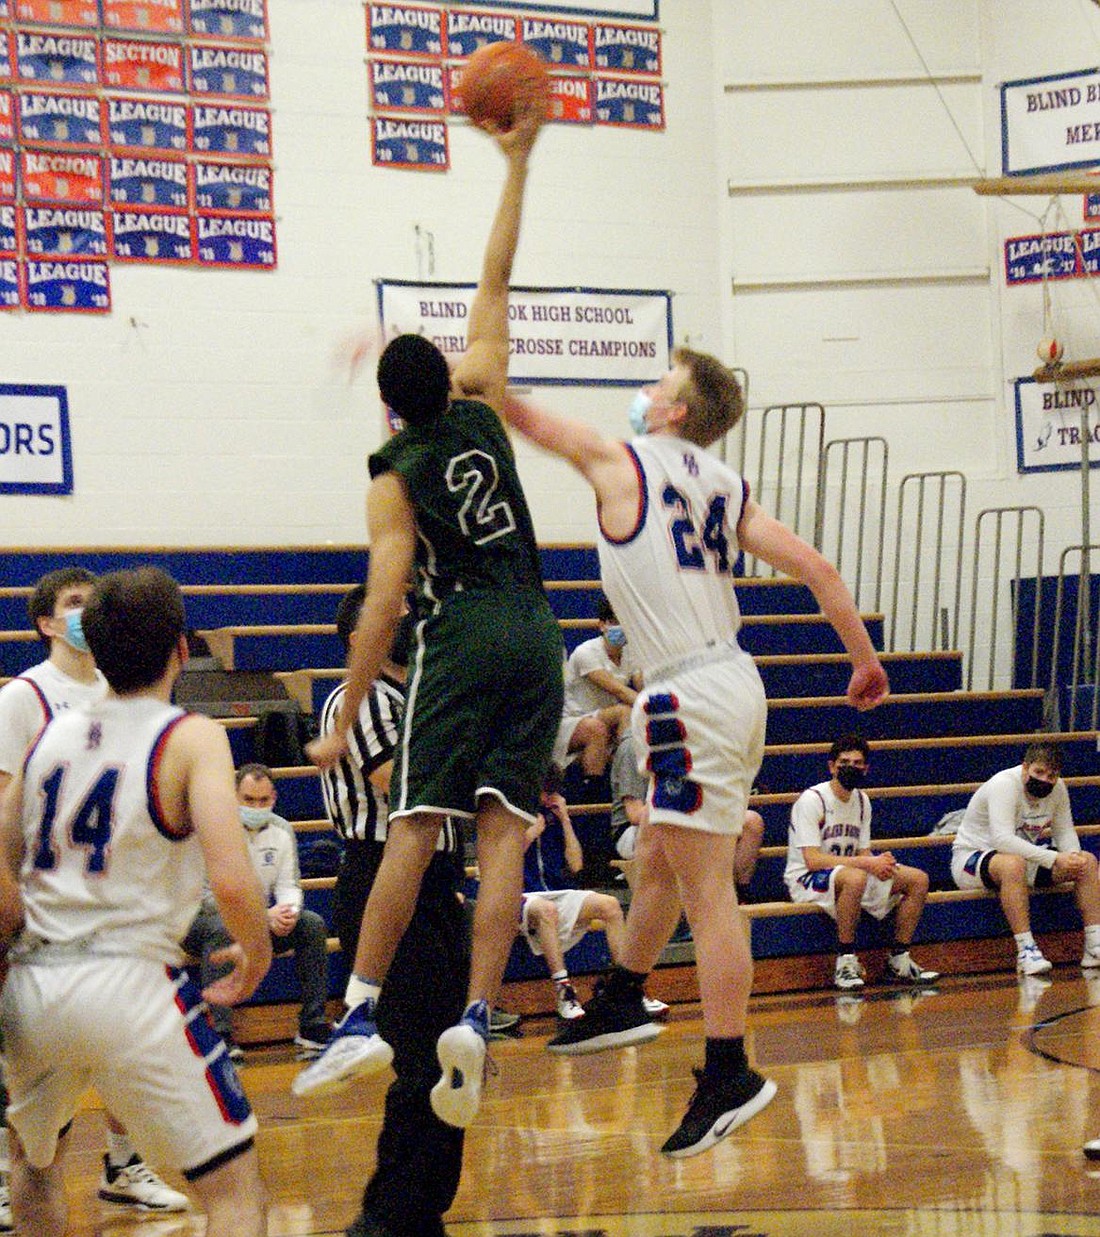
(256, 770)
(414, 379)
(133, 622)
(1044, 752)
(850, 743)
(347, 614)
(605, 612)
(553, 781)
(41, 602)
(713, 395)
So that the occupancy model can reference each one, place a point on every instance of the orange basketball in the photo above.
(497, 78)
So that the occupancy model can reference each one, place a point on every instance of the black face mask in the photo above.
(1037, 788)
(850, 777)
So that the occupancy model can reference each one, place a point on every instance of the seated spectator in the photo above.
(601, 684)
(1016, 835)
(830, 863)
(628, 796)
(274, 853)
(555, 915)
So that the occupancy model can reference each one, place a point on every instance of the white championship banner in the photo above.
(559, 336)
(1048, 424)
(1049, 124)
(35, 452)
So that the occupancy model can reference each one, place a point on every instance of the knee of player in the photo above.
(752, 827)
(609, 909)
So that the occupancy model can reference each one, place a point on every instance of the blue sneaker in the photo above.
(354, 1051)
(456, 1097)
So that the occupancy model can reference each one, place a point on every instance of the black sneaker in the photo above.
(312, 1040)
(717, 1108)
(608, 1022)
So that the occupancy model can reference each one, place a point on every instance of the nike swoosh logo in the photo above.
(720, 1130)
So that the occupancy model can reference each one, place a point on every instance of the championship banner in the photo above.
(570, 99)
(135, 181)
(565, 43)
(8, 179)
(77, 286)
(147, 124)
(7, 117)
(60, 119)
(626, 49)
(1048, 424)
(57, 176)
(236, 72)
(140, 64)
(233, 186)
(629, 103)
(57, 12)
(407, 85)
(61, 231)
(1049, 124)
(237, 240)
(1029, 259)
(152, 236)
(230, 19)
(61, 59)
(144, 16)
(467, 31)
(405, 29)
(220, 130)
(9, 228)
(35, 449)
(404, 143)
(9, 284)
(559, 336)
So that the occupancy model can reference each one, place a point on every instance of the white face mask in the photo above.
(638, 411)
(256, 818)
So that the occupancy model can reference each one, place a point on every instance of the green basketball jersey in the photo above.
(474, 528)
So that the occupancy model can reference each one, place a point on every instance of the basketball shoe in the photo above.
(136, 1185)
(717, 1108)
(611, 1020)
(456, 1097)
(902, 969)
(1030, 961)
(354, 1051)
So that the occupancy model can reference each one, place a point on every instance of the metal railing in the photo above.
(944, 487)
(1085, 639)
(856, 456)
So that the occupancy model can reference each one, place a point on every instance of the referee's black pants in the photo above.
(419, 1159)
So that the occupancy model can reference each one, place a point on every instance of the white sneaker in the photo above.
(1030, 961)
(904, 970)
(136, 1185)
(1090, 959)
(456, 1097)
(6, 1225)
(354, 1051)
(653, 1007)
(847, 976)
(1092, 1149)
(568, 1005)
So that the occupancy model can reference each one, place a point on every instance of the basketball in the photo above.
(497, 78)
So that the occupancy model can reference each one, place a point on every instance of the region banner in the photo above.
(1048, 424)
(1049, 124)
(560, 336)
(35, 449)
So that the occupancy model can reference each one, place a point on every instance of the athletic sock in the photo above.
(1024, 940)
(120, 1150)
(360, 990)
(725, 1057)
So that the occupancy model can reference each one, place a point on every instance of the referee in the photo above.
(419, 1159)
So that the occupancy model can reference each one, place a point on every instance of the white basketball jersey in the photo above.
(671, 581)
(103, 870)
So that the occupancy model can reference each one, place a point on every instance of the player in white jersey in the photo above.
(1017, 834)
(108, 828)
(68, 679)
(672, 519)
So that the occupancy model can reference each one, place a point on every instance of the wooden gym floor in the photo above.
(961, 1111)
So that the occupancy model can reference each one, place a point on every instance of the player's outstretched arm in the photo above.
(392, 530)
(764, 537)
(482, 372)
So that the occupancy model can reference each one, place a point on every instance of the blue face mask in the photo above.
(74, 632)
(615, 636)
(639, 408)
(256, 818)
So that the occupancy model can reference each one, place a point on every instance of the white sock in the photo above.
(360, 990)
(560, 977)
(120, 1150)
(1024, 940)
(1092, 937)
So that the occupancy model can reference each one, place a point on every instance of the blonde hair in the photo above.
(713, 396)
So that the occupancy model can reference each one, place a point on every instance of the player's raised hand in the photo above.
(868, 685)
(241, 981)
(528, 120)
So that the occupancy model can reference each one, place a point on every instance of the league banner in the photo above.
(7, 117)
(9, 228)
(230, 19)
(468, 30)
(407, 85)
(559, 42)
(233, 186)
(152, 236)
(626, 49)
(136, 181)
(60, 59)
(405, 29)
(144, 16)
(559, 336)
(148, 124)
(61, 231)
(140, 64)
(1048, 424)
(35, 448)
(236, 72)
(57, 12)
(1092, 207)
(399, 142)
(237, 240)
(1029, 259)
(60, 176)
(629, 103)
(74, 286)
(570, 99)
(220, 130)
(8, 177)
(1049, 124)
(60, 119)
(10, 297)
